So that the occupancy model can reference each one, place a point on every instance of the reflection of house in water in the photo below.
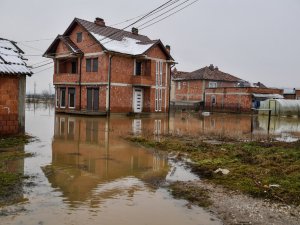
(87, 152)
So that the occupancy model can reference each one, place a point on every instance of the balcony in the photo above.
(142, 80)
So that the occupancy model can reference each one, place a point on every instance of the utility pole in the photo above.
(34, 92)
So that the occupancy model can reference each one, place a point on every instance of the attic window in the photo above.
(79, 37)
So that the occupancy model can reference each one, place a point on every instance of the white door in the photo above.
(138, 100)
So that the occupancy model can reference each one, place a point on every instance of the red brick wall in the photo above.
(298, 94)
(234, 99)
(9, 93)
(193, 90)
(122, 77)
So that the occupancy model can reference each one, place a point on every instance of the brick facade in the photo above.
(9, 104)
(236, 99)
(123, 80)
(193, 90)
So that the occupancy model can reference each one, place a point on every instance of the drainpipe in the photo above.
(80, 66)
(109, 83)
(170, 82)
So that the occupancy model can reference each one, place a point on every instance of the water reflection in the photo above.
(14, 167)
(90, 152)
(235, 126)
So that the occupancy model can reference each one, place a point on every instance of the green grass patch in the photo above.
(266, 170)
(14, 141)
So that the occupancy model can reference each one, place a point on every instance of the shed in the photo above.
(13, 72)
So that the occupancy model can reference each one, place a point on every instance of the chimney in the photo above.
(211, 67)
(217, 68)
(168, 47)
(100, 22)
(135, 31)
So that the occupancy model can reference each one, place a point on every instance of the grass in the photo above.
(190, 192)
(11, 181)
(265, 170)
(14, 141)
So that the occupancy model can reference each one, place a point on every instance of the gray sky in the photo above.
(253, 39)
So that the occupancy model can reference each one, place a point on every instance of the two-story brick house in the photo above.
(100, 69)
(190, 86)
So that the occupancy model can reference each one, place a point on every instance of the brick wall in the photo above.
(298, 94)
(234, 99)
(9, 93)
(193, 90)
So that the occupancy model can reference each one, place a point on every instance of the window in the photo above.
(158, 99)
(95, 65)
(74, 67)
(138, 68)
(92, 65)
(179, 85)
(62, 98)
(159, 72)
(79, 37)
(88, 65)
(71, 92)
(213, 100)
(212, 84)
(57, 97)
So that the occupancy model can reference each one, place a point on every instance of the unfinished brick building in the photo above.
(238, 99)
(190, 87)
(13, 71)
(100, 69)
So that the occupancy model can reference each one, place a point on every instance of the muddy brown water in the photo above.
(84, 172)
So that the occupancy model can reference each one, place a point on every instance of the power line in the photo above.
(169, 15)
(41, 62)
(163, 13)
(42, 65)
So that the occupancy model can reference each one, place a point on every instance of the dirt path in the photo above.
(234, 208)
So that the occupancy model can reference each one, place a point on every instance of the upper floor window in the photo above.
(179, 85)
(159, 73)
(212, 84)
(138, 68)
(74, 67)
(92, 65)
(79, 37)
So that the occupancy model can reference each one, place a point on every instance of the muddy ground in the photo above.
(233, 207)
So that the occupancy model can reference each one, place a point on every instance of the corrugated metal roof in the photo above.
(11, 59)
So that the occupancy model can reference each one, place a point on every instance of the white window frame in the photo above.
(69, 99)
(56, 97)
(178, 85)
(159, 73)
(212, 84)
(60, 98)
(158, 99)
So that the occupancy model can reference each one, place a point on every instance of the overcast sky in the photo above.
(256, 40)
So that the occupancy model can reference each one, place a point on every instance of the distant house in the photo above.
(291, 93)
(238, 99)
(190, 86)
(13, 71)
(100, 69)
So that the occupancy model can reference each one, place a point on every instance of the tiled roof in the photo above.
(205, 73)
(112, 39)
(11, 59)
(70, 44)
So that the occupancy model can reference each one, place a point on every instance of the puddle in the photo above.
(85, 172)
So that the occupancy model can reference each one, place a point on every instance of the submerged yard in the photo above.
(83, 171)
(261, 169)
(11, 178)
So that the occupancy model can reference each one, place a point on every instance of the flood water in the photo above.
(85, 172)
